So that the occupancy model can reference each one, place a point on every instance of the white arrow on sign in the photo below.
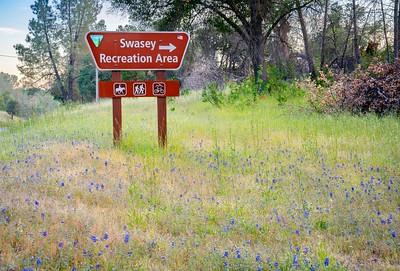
(170, 47)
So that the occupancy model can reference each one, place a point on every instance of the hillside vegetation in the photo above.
(266, 187)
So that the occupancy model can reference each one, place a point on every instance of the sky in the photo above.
(14, 18)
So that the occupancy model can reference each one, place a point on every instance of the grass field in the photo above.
(262, 188)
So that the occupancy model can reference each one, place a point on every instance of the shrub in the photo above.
(11, 107)
(280, 88)
(242, 94)
(213, 95)
(37, 104)
(375, 90)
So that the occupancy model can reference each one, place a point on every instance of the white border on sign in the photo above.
(126, 89)
(152, 32)
(165, 89)
(145, 89)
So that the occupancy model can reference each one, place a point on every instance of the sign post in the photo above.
(162, 114)
(158, 51)
(117, 111)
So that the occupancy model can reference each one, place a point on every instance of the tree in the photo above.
(385, 32)
(253, 20)
(54, 39)
(396, 29)
(304, 32)
(75, 18)
(323, 42)
(7, 82)
(40, 60)
(11, 107)
(357, 55)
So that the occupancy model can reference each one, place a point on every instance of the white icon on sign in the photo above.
(159, 89)
(119, 89)
(139, 89)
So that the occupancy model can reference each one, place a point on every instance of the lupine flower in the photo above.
(105, 236)
(394, 234)
(258, 258)
(93, 238)
(326, 261)
(60, 245)
(38, 261)
(238, 256)
(226, 254)
(295, 260)
(126, 238)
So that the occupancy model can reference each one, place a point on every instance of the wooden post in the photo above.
(117, 111)
(162, 114)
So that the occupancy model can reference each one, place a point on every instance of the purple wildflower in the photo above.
(326, 261)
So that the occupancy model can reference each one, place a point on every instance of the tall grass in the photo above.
(262, 188)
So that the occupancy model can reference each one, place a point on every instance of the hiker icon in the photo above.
(139, 89)
(119, 89)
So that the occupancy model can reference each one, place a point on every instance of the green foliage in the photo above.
(87, 79)
(37, 104)
(213, 95)
(242, 94)
(7, 82)
(235, 94)
(281, 89)
(4, 98)
(185, 91)
(52, 51)
(11, 107)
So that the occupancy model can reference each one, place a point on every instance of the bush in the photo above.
(280, 88)
(242, 94)
(36, 104)
(11, 107)
(213, 95)
(375, 90)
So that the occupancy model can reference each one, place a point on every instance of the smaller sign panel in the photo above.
(148, 88)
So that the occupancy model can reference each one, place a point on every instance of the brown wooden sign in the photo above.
(132, 89)
(138, 50)
(159, 51)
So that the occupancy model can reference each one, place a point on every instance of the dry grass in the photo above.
(237, 190)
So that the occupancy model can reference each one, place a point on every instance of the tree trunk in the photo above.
(357, 55)
(71, 74)
(256, 45)
(385, 33)
(346, 44)
(53, 63)
(396, 29)
(309, 56)
(324, 34)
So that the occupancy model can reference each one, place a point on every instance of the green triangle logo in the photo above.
(96, 39)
